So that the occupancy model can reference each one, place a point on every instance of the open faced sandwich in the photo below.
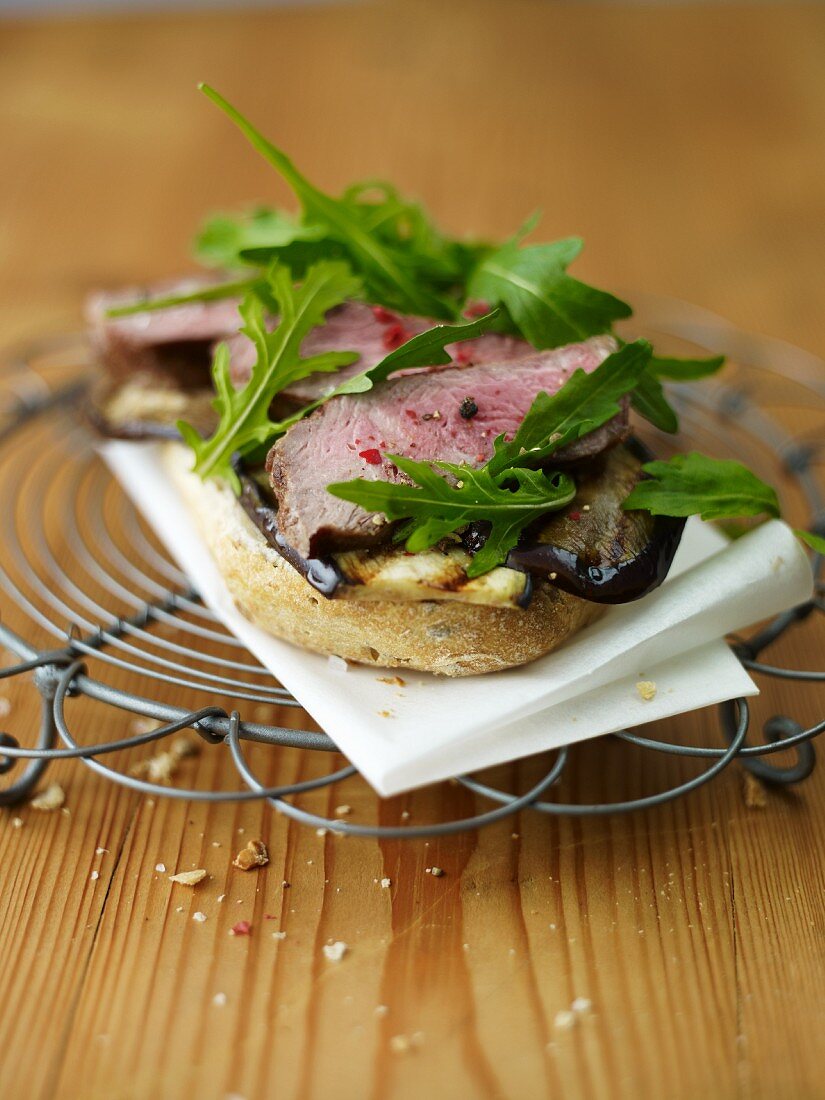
(404, 449)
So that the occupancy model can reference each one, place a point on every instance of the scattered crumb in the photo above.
(335, 951)
(253, 855)
(564, 1020)
(5, 706)
(52, 798)
(405, 815)
(179, 909)
(321, 832)
(436, 872)
(242, 928)
(143, 725)
(160, 868)
(279, 935)
(161, 767)
(646, 690)
(386, 883)
(219, 999)
(381, 1010)
(94, 876)
(101, 851)
(403, 1044)
(216, 844)
(338, 664)
(221, 897)
(199, 917)
(385, 714)
(515, 836)
(753, 791)
(553, 576)
(343, 810)
(581, 1005)
(187, 878)
(396, 681)
(17, 823)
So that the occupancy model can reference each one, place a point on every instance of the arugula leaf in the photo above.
(649, 401)
(383, 266)
(694, 484)
(548, 306)
(816, 542)
(584, 403)
(440, 507)
(244, 422)
(426, 349)
(685, 370)
(233, 289)
(225, 240)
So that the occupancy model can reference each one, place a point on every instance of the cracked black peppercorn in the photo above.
(468, 408)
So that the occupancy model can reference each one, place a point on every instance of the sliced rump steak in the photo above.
(372, 332)
(174, 343)
(451, 414)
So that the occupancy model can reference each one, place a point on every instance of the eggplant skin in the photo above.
(595, 549)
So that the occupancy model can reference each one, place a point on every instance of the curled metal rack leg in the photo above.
(107, 598)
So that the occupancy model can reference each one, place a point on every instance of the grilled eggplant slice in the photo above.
(386, 573)
(595, 549)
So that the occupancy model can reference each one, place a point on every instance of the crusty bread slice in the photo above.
(447, 638)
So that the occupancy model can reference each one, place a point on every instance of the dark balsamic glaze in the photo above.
(322, 573)
(601, 581)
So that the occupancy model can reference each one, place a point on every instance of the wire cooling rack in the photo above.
(96, 602)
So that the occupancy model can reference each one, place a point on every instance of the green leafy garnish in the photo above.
(584, 403)
(685, 370)
(232, 289)
(816, 542)
(438, 506)
(547, 306)
(694, 484)
(649, 401)
(244, 422)
(230, 242)
(383, 265)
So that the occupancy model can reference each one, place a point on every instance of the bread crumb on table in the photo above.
(335, 951)
(753, 791)
(646, 690)
(5, 706)
(52, 798)
(254, 854)
(564, 1020)
(396, 681)
(386, 883)
(199, 917)
(187, 878)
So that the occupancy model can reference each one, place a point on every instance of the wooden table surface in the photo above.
(685, 144)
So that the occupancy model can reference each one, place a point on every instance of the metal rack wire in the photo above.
(93, 590)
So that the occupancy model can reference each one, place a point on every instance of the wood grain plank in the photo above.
(685, 145)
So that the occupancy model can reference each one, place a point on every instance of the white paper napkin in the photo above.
(439, 727)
